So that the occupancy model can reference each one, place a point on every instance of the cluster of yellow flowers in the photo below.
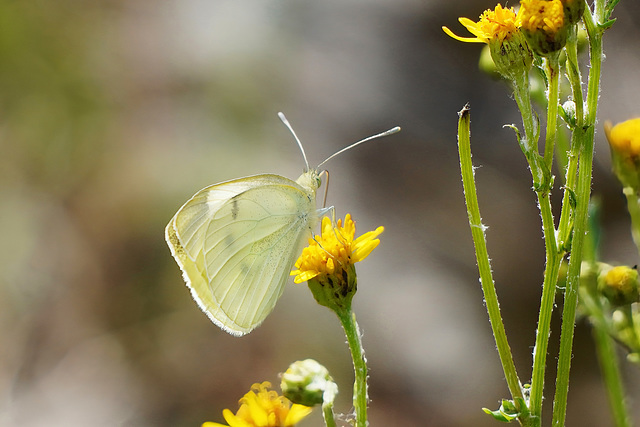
(539, 25)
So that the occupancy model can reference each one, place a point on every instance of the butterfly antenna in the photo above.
(355, 144)
(288, 125)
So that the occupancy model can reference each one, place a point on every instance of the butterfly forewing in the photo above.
(236, 243)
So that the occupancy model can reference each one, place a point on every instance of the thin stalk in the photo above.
(327, 414)
(553, 261)
(482, 256)
(608, 360)
(575, 79)
(552, 70)
(542, 183)
(573, 73)
(585, 136)
(360, 396)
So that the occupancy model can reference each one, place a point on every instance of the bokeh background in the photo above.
(114, 112)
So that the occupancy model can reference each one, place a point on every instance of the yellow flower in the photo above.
(624, 138)
(335, 250)
(543, 23)
(262, 407)
(494, 25)
(499, 29)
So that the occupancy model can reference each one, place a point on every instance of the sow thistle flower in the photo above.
(327, 264)
(262, 407)
(499, 28)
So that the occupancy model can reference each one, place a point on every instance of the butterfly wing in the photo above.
(236, 243)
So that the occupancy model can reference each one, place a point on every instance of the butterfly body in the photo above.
(237, 241)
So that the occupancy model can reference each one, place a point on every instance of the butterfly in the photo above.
(237, 241)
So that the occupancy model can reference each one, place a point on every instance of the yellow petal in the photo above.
(296, 414)
(233, 420)
(462, 39)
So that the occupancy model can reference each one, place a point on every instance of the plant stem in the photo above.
(553, 261)
(573, 72)
(585, 136)
(327, 414)
(540, 172)
(482, 256)
(553, 77)
(611, 375)
(360, 395)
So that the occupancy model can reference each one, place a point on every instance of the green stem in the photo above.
(360, 396)
(482, 256)
(585, 136)
(553, 261)
(553, 73)
(573, 72)
(635, 340)
(327, 414)
(540, 172)
(573, 278)
(608, 360)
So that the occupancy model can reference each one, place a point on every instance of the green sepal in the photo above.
(333, 291)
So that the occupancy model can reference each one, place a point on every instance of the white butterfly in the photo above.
(237, 241)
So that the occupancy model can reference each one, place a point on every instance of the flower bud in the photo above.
(512, 56)
(573, 10)
(568, 112)
(619, 285)
(308, 383)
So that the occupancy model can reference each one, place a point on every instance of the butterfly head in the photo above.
(310, 180)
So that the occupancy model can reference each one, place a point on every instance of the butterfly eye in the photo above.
(318, 181)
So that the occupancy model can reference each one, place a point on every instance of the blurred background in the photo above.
(113, 113)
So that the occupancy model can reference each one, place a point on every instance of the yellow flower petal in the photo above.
(334, 250)
(262, 407)
(296, 414)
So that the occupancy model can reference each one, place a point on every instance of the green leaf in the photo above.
(506, 413)
(608, 10)
(607, 24)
